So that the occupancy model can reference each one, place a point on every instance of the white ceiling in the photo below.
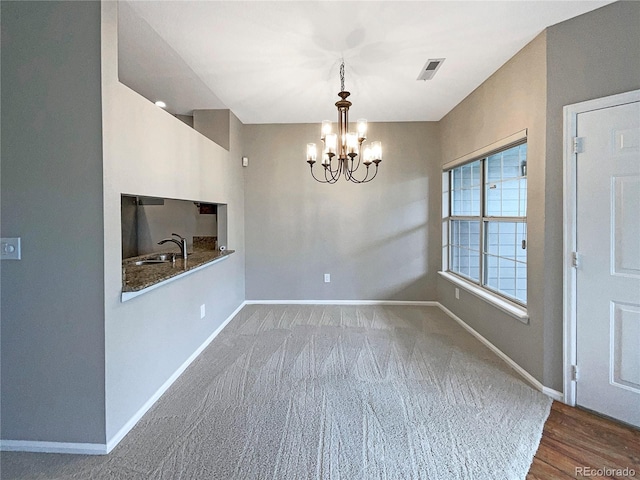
(278, 61)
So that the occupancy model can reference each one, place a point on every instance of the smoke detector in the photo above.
(430, 68)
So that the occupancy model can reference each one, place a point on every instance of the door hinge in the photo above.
(577, 145)
(574, 373)
(575, 260)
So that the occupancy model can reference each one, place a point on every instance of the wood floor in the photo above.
(576, 444)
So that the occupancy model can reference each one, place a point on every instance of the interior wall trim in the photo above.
(341, 302)
(511, 140)
(550, 392)
(53, 447)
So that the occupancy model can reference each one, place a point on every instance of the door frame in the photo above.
(570, 130)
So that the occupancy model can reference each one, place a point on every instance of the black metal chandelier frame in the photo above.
(345, 147)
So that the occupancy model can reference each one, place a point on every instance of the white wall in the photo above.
(149, 152)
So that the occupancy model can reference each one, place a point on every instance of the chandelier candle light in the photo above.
(345, 146)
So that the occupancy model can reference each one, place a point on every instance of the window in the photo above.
(487, 221)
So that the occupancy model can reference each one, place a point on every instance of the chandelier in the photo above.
(342, 152)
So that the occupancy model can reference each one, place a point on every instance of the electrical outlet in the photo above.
(327, 277)
(457, 293)
(202, 312)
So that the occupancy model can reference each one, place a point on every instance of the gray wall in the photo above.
(590, 56)
(512, 99)
(379, 241)
(214, 124)
(53, 378)
(157, 222)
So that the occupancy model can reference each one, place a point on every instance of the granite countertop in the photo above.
(138, 277)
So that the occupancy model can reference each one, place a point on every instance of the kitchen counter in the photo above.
(138, 279)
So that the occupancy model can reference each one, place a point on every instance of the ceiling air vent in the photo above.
(430, 68)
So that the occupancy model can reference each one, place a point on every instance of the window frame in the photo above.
(480, 287)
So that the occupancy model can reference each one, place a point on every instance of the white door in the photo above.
(608, 273)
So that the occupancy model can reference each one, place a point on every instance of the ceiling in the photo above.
(278, 61)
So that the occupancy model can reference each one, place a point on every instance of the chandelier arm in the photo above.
(366, 178)
(357, 165)
(329, 179)
(329, 176)
(315, 178)
(374, 175)
(359, 156)
(336, 171)
(348, 174)
(342, 169)
(352, 177)
(332, 176)
(330, 167)
(355, 180)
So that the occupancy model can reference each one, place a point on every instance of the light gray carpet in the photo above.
(327, 392)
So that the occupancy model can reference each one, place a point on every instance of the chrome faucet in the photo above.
(182, 244)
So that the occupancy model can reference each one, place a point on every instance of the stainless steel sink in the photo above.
(161, 258)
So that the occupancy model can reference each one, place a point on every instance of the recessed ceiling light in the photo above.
(161, 104)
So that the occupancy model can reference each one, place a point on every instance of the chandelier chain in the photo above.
(342, 76)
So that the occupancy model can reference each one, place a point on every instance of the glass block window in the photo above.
(488, 222)
(465, 188)
(506, 183)
(505, 260)
(465, 248)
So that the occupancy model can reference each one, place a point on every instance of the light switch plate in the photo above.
(10, 248)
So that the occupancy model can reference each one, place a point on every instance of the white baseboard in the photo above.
(555, 394)
(113, 442)
(341, 302)
(508, 360)
(53, 447)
